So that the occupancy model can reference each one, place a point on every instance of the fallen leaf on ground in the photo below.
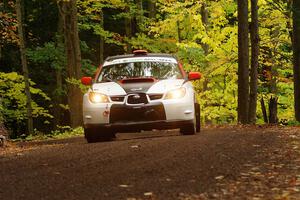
(124, 186)
(219, 177)
(148, 194)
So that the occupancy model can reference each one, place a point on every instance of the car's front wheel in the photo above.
(98, 135)
(194, 126)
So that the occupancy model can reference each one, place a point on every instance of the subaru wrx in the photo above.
(140, 91)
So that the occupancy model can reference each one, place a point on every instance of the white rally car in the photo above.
(140, 91)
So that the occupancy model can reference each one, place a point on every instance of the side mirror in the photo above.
(86, 80)
(194, 76)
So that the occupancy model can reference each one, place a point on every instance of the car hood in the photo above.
(157, 87)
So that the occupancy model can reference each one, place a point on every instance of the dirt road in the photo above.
(223, 163)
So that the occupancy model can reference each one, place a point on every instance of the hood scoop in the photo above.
(137, 85)
(138, 80)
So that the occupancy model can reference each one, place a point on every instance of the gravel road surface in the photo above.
(218, 163)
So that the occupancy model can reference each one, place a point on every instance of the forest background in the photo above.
(202, 34)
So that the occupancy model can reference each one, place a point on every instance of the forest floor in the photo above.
(219, 163)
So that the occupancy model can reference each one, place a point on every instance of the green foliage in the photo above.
(13, 100)
(61, 132)
(51, 53)
(90, 18)
(293, 123)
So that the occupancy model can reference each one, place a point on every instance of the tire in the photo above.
(93, 135)
(197, 116)
(193, 127)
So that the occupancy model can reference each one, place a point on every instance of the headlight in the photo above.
(98, 97)
(176, 94)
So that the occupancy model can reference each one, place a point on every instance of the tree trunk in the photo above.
(254, 35)
(273, 110)
(179, 31)
(152, 9)
(101, 56)
(57, 110)
(57, 95)
(243, 62)
(204, 19)
(68, 11)
(24, 66)
(296, 50)
(289, 25)
(139, 16)
(264, 110)
(128, 28)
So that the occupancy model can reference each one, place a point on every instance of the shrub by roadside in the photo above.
(61, 133)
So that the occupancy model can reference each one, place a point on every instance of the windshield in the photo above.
(157, 70)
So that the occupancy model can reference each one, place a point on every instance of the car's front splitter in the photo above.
(142, 125)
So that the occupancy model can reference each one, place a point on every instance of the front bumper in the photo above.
(158, 114)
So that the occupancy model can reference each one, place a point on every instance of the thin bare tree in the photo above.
(254, 35)
(243, 62)
(296, 50)
(24, 66)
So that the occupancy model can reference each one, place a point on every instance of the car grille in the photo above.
(132, 98)
(123, 113)
(139, 98)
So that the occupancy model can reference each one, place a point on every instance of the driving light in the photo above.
(176, 94)
(98, 97)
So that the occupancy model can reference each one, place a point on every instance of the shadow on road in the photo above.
(147, 135)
